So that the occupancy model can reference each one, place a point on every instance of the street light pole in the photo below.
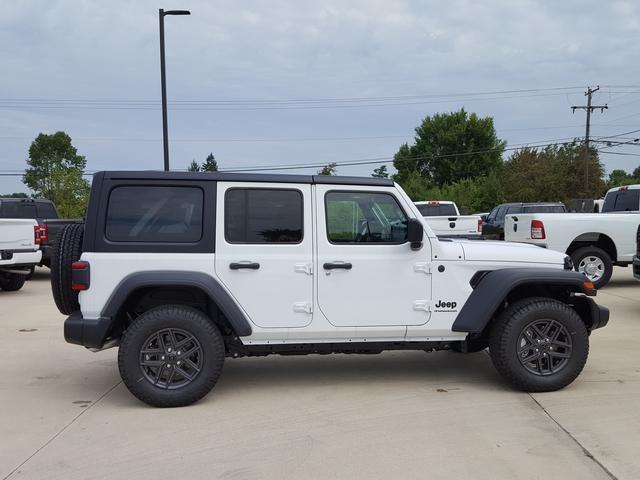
(163, 80)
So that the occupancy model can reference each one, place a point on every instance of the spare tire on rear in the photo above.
(67, 250)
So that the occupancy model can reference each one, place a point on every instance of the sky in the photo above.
(284, 83)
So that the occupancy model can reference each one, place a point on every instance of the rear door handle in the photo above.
(337, 265)
(244, 265)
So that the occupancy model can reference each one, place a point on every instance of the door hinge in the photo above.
(302, 307)
(424, 267)
(303, 268)
(424, 305)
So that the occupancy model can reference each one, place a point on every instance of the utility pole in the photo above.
(589, 108)
(163, 82)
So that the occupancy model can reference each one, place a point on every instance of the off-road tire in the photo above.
(581, 253)
(505, 335)
(11, 282)
(157, 319)
(67, 249)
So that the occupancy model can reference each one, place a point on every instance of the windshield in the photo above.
(622, 201)
(437, 210)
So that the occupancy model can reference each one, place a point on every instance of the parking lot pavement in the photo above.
(66, 415)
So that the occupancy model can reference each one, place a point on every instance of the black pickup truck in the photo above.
(45, 213)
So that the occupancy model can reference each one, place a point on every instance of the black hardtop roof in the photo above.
(245, 177)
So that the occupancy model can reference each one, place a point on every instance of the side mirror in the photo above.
(415, 233)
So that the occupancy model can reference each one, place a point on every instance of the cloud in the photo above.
(281, 49)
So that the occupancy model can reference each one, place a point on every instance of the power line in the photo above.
(305, 100)
(290, 104)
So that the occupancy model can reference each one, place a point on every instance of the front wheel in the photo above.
(539, 345)
(594, 263)
(171, 356)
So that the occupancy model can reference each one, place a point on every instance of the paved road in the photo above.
(64, 414)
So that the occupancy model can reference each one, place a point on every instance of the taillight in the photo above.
(44, 234)
(537, 230)
(80, 276)
(37, 238)
(479, 225)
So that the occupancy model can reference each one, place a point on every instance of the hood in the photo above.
(510, 252)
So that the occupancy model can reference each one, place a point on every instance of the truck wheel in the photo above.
(171, 356)
(539, 345)
(594, 263)
(11, 282)
(67, 250)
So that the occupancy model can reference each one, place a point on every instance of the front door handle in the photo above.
(337, 265)
(244, 265)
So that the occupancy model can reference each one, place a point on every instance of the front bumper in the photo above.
(588, 309)
(90, 333)
(636, 267)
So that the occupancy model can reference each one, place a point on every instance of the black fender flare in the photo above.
(158, 278)
(494, 286)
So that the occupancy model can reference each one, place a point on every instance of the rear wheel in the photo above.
(11, 282)
(171, 356)
(67, 250)
(594, 263)
(539, 345)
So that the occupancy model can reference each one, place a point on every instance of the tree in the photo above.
(193, 166)
(329, 169)
(620, 177)
(415, 185)
(210, 164)
(450, 147)
(555, 173)
(479, 194)
(380, 172)
(55, 172)
(15, 195)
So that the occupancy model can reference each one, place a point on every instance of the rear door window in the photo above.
(263, 215)
(154, 214)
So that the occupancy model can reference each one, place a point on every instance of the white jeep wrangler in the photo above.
(184, 269)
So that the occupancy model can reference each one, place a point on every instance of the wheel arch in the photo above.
(153, 288)
(498, 288)
(595, 239)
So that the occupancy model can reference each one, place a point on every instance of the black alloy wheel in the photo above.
(544, 347)
(171, 358)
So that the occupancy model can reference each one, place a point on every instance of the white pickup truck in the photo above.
(445, 220)
(19, 251)
(595, 241)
